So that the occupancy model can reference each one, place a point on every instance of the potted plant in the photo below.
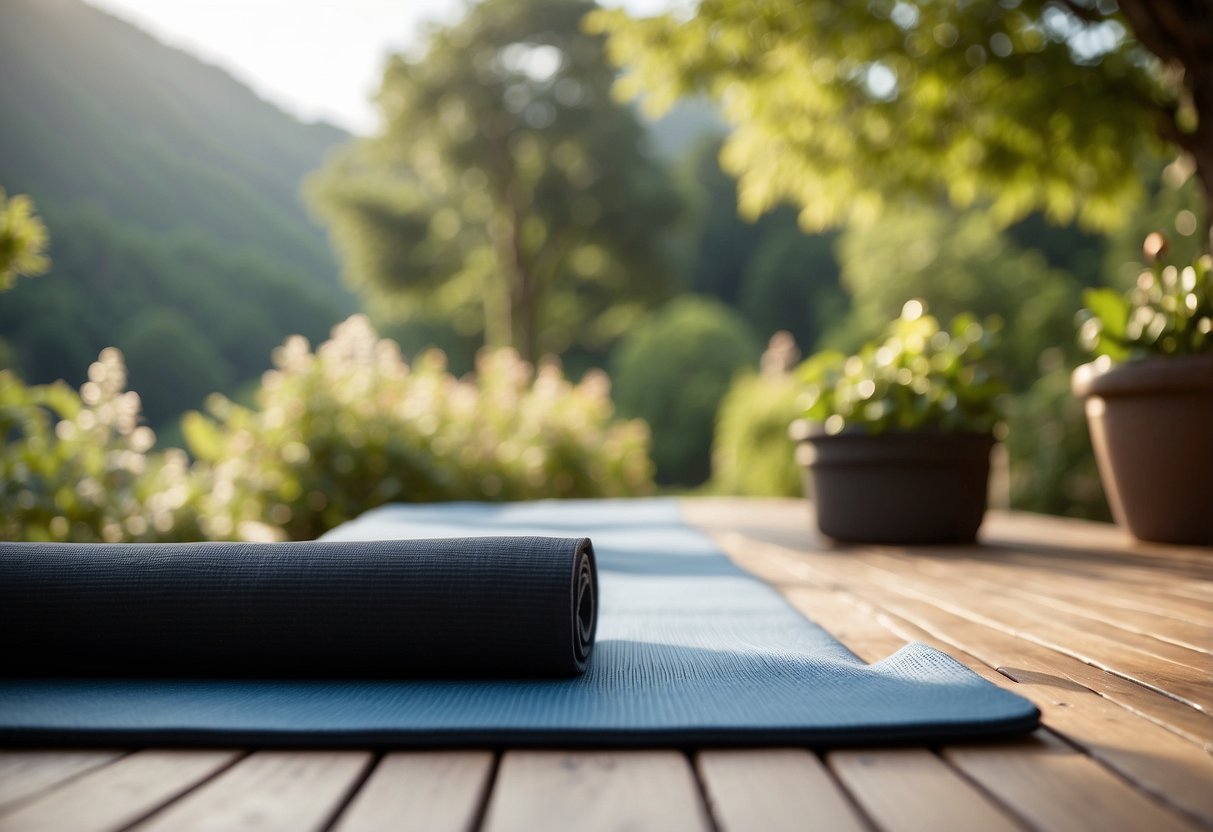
(896, 439)
(1149, 397)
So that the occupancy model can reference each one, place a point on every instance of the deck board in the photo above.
(595, 791)
(25, 773)
(1112, 640)
(775, 790)
(427, 791)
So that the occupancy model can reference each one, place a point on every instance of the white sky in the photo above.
(318, 59)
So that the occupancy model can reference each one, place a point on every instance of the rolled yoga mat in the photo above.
(690, 651)
(476, 607)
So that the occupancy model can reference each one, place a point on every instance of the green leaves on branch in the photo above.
(919, 376)
(1168, 312)
(840, 108)
(23, 240)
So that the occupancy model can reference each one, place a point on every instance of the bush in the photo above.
(672, 371)
(1052, 464)
(752, 454)
(351, 426)
(76, 466)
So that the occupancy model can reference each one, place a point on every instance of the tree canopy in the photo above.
(1008, 105)
(507, 188)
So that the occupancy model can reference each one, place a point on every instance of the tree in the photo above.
(1013, 105)
(23, 240)
(507, 189)
(673, 370)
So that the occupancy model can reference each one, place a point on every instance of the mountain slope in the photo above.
(167, 185)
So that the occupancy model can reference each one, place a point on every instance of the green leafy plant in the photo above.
(919, 376)
(23, 240)
(1168, 312)
(350, 426)
(78, 466)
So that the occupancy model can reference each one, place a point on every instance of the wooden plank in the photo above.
(773, 790)
(1088, 643)
(425, 790)
(997, 646)
(26, 772)
(1154, 759)
(119, 794)
(1052, 786)
(1019, 606)
(912, 790)
(296, 790)
(1074, 597)
(593, 791)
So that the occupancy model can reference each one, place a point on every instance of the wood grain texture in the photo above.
(774, 790)
(537, 791)
(1052, 786)
(960, 619)
(1171, 770)
(269, 790)
(119, 794)
(912, 790)
(27, 772)
(428, 791)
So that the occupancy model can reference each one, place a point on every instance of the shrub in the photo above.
(917, 376)
(672, 371)
(752, 453)
(352, 426)
(1168, 312)
(77, 467)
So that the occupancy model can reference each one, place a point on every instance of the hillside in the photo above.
(171, 193)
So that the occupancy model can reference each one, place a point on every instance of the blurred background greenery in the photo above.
(564, 249)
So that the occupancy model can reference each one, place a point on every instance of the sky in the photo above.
(317, 59)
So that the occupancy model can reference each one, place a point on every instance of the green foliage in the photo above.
(841, 108)
(918, 376)
(351, 426)
(956, 263)
(1168, 312)
(23, 240)
(1052, 463)
(768, 269)
(672, 371)
(172, 363)
(77, 467)
(226, 309)
(752, 452)
(508, 191)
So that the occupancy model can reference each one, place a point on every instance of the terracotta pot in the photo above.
(1152, 427)
(898, 487)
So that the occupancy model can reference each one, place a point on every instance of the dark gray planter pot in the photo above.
(898, 487)
(1151, 424)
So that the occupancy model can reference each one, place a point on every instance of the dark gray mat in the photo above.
(690, 651)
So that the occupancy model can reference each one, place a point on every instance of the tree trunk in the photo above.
(1180, 33)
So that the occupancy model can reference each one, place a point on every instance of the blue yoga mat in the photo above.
(690, 651)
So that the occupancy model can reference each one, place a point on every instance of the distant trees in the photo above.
(672, 371)
(1009, 106)
(507, 189)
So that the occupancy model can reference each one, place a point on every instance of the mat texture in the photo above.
(690, 651)
(487, 607)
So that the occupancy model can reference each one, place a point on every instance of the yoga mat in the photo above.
(475, 607)
(690, 651)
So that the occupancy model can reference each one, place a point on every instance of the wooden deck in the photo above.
(1112, 641)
